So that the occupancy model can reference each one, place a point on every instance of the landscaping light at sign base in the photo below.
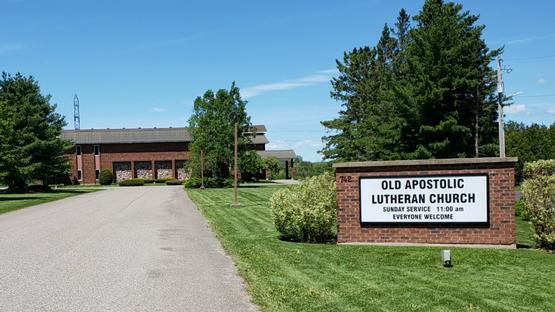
(446, 258)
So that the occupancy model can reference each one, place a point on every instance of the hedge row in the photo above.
(132, 182)
(140, 182)
(194, 182)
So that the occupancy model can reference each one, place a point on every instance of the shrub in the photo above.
(158, 180)
(163, 180)
(105, 177)
(192, 182)
(173, 182)
(251, 166)
(132, 182)
(306, 212)
(38, 188)
(218, 182)
(272, 165)
(195, 182)
(228, 182)
(538, 197)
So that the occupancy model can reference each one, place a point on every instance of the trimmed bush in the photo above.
(159, 180)
(538, 197)
(173, 182)
(105, 177)
(306, 212)
(132, 182)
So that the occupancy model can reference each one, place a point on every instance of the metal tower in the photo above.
(76, 118)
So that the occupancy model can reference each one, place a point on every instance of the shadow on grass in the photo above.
(74, 191)
(523, 246)
(247, 186)
(288, 239)
(22, 198)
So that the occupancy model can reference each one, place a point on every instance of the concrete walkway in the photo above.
(287, 182)
(122, 249)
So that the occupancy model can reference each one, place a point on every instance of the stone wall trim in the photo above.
(423, 162)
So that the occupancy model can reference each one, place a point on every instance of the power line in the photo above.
(537, 95)
(530, 58)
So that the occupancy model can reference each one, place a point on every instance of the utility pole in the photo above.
(235, 203)
(476, 125)
(500, 96)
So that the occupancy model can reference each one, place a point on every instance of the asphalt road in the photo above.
(122, 249)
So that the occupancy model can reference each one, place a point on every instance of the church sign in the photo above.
(461, 201)
(424, 199)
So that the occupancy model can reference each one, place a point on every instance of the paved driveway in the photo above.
(122, 249)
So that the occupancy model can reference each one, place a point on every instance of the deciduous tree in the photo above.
(212, 128)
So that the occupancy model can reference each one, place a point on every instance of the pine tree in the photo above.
(424, 91)
(368, 85)
(450, 82)
(30, 144)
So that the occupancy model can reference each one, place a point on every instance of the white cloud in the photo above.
(264, 88)
(158, 109)
(328, 71)
(529, 39)
(515, 109)
(316, 78)
(9, 47)
(541, 81)
(551, 110)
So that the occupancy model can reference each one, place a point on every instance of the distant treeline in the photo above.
(529, 143)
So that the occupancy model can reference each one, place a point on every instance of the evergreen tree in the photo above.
(30, 147)
(212, 130)
(450, 82)
(368, 85)
(423, 91)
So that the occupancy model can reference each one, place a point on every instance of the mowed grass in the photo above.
(10, 202)
(524, 233)
(287, 276)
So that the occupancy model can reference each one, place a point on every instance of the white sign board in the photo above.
(424, 199)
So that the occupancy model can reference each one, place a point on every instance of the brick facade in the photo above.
(133, 153)
(501, 196)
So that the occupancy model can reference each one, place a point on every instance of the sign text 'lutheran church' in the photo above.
(424, 199)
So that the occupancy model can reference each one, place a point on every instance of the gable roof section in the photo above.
(279, 154)
(140, 135)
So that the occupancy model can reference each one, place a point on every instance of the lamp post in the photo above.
(235, 203)
(202, 169)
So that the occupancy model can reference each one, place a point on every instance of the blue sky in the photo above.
(142, 63)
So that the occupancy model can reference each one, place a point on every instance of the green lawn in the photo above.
(286, 276)
(10, 202)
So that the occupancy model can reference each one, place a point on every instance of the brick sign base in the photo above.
(499, 229)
